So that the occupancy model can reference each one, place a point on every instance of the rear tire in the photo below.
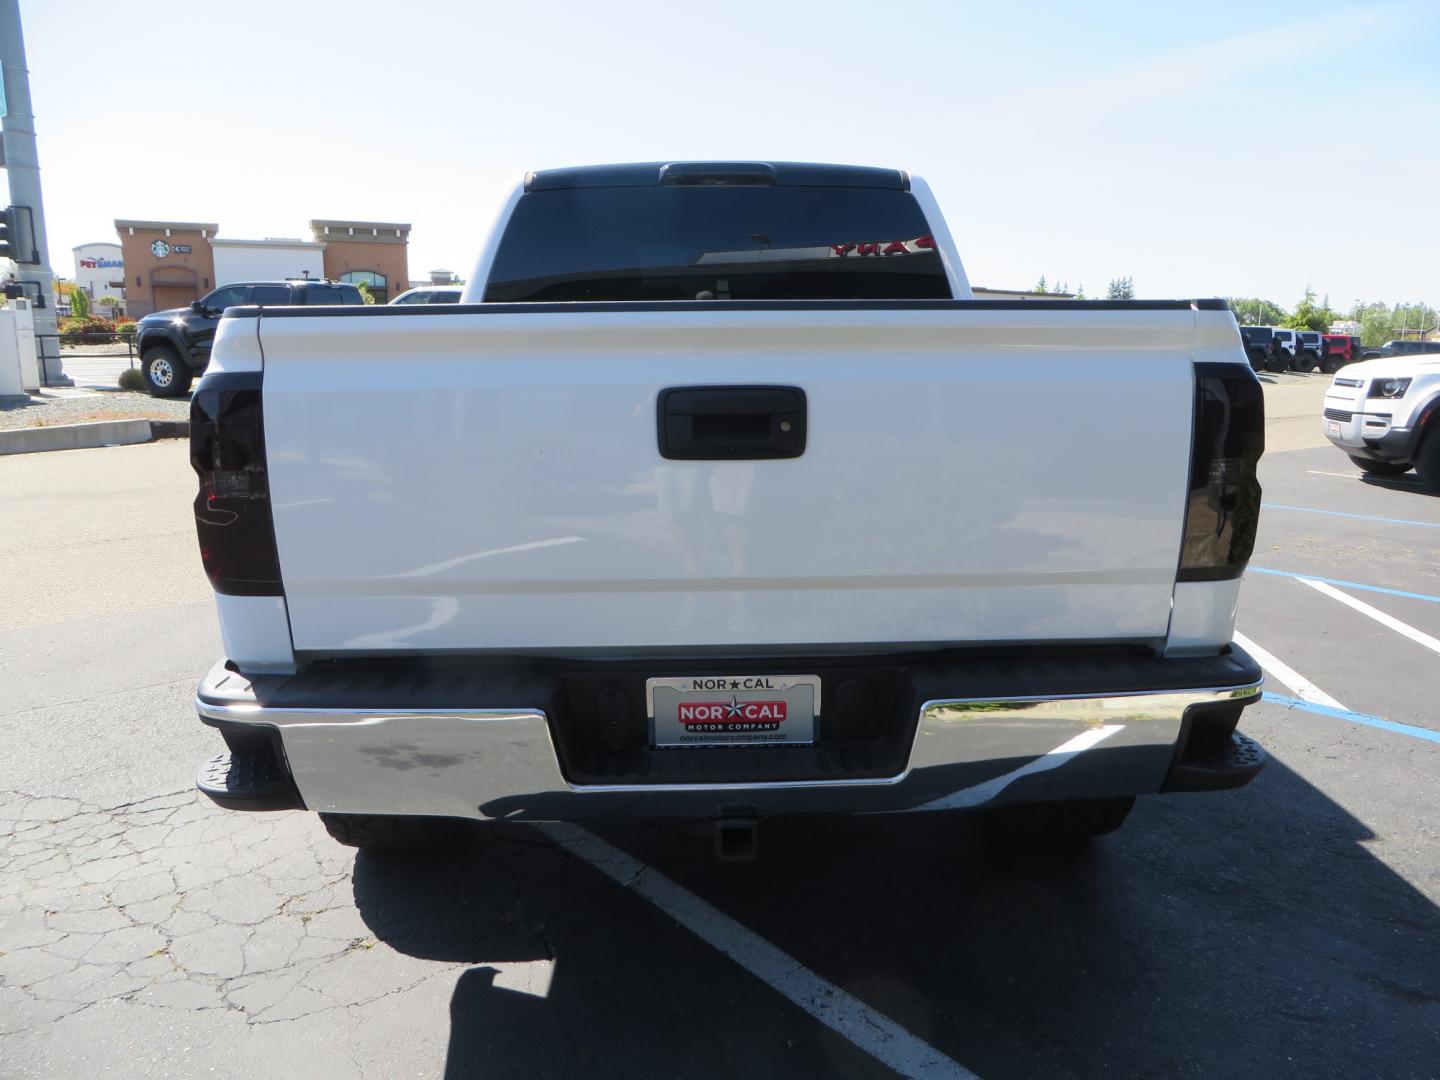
(1057, 824)
(376, 832)
(1427, 462)
(1379, 468)
(165, 374)
(1257, 360)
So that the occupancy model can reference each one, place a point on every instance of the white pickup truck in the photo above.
(718, 494)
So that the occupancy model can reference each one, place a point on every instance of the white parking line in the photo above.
(1417, 636)
(1342, 475)
(1300, 686)
(847, 1016)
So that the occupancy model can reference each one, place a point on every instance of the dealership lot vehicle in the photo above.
(1404, 347)
(1340, 349)
(700, 589)
(1257, 344)
(1288, 341)
(1385, 415)
(174, 345)
(1310, 349)
(430, 294)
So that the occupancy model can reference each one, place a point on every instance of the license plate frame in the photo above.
(1332, 427)
(732, 710)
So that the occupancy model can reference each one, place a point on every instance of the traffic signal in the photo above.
(17, 235)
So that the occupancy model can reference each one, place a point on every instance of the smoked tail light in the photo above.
(232, 509)
(1222, 511)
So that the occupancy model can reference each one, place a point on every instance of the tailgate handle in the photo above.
(731, 423)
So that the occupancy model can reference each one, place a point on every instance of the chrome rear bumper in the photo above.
(476, 762)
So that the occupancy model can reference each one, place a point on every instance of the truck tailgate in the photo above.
(490, 477)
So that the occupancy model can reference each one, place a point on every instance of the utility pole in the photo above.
(22, 167)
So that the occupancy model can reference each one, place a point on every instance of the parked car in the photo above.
(1403, 347)
(430, 294)
(175, 344)
(1287, 341)
(1256, 340)
(556, 560)
(1310, 349)
(1385, 414)
(1340, 349)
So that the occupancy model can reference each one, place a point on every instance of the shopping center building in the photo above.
(167, 264)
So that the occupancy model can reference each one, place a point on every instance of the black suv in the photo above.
(1257, 344)
(175, 344)
(1403, 347)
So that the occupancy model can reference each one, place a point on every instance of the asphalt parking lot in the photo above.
(1286, 929)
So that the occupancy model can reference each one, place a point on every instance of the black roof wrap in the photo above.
(780, 173)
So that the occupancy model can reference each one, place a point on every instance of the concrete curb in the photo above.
(88, 436)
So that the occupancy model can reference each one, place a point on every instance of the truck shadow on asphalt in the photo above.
(1409, 483)
(1246, 933)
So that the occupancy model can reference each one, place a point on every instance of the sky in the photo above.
(1235, 149)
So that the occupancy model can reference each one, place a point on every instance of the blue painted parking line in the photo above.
(1341, 583)
(1353, 717)
(1357, 517)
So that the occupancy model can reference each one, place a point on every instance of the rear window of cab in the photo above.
(720, 242)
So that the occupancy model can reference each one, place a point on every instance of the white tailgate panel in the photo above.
(492, 481)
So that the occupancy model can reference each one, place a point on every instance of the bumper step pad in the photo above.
(1217, 764)
(255, 780)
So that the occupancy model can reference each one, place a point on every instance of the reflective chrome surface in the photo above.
(483, 763)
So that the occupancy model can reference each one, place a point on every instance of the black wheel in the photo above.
(376, 832)
(1057, 824)
(1427, 462)
(165, 374)
(1330, 365)
(1257, 359)
(1379, 468)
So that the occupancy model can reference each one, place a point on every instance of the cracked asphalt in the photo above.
(1287, 929)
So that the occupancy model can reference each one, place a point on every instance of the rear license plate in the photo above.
(733, 710)
(1332, 427)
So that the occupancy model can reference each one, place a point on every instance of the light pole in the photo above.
(22, 168)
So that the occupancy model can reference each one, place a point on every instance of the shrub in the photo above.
(87, 331)
(131, 379)
(125, 326)
(79, 303)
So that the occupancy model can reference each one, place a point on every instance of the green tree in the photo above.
(1253, 311)
(1380, 323)
(1309, 315)
(1040, 285)
(79, 303)
(1080, 292)
(1374, 320)
(365, 293)
(1121, 289)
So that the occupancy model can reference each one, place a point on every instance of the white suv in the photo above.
(1385, 414)
(430, 294)
(1287, 340)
